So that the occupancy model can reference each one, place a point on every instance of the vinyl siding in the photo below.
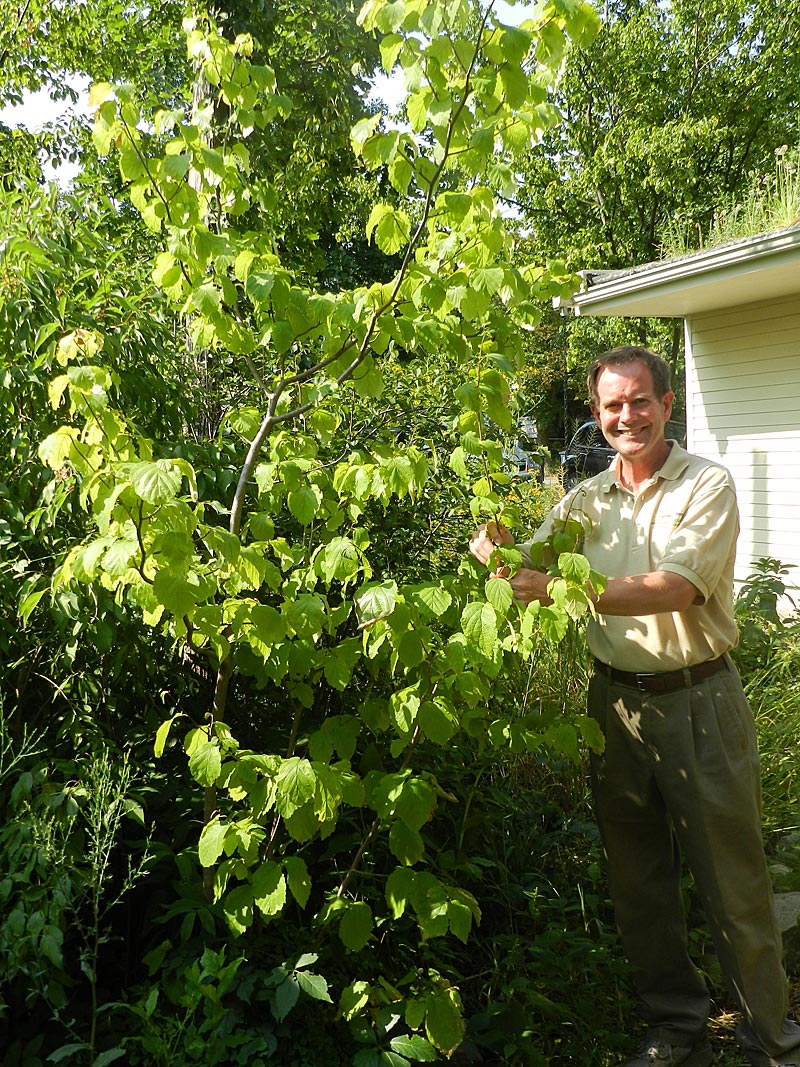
(743, 410)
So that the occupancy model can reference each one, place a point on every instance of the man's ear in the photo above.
(595, 413)
(667, 400)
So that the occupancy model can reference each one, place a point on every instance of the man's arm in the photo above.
(641, 594)
(653, 593)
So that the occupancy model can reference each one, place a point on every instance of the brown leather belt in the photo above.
(662, 681)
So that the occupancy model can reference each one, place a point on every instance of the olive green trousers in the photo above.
(680, 775)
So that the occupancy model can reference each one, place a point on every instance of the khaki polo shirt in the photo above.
(684, 520)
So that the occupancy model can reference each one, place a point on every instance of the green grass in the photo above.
(771, 203)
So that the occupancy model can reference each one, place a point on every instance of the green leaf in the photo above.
(554, 623)
(269, 889)
(479, 624)
(390, 47)
(108, 1056)
(296, 783)
(444, 1023)
(414, 1047)
(305, 614)
(353, 1000)
(58, 447)
(355, 928)
(564, 740)
(298, 879)
(340, 663)
(375, 600)
(487, 279)
(157, 481)
(410, 649)
(176, 592)
(267, 623)
(406, 844)
(391, 227)
(437, 721)
(338, 560)
(591, 732)
(574, 567)
(306, 960)
(399, 889)
(237, 907)
(304, 503)
(416, 803)
(313, 985)
(212, 841)
(499, 594)
(205, 763)
(417, 109)
(515, 84)
(285, 998)
(65, 1051)
(460, 917)
(432, 599)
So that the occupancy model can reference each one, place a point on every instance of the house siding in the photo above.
(743, 410)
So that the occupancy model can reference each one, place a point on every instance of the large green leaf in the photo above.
(178, 593)
(205, 763)
(269, 889)
(237, 907)
(313, 985)
(212, 841)
(437, 720)
(356, 926)
(298, 879)
(499, 594)
(444, 1023)
(304, 503)
(414, 1047)
(338, 560)
(285, 997)
(406, 844)
(479, 624)
(296, 784)
(375, 600)
(399, 888)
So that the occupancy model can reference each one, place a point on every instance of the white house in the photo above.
(740, 303)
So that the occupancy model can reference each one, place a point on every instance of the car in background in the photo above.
(589, 453)
(526, 458)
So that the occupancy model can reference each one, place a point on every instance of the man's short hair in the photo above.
(618, 357)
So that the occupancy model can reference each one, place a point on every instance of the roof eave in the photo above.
(742, 272)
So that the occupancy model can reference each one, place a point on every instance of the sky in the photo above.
(38, 108)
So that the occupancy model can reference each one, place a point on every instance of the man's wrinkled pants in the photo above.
(680, 774)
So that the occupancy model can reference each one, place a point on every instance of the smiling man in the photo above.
(679, 774)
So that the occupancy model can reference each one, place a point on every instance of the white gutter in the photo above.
(674, 277)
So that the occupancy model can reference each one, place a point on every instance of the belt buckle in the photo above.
(640, 682)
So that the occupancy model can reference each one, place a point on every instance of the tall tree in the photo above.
(669, 112)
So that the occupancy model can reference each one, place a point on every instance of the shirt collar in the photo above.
(673, 468)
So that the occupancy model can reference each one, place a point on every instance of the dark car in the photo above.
(526, 458)
(589, 453)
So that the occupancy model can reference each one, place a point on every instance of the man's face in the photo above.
(630, 414)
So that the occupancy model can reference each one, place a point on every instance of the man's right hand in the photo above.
(486, 539)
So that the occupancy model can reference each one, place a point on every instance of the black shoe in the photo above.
(654, 1053)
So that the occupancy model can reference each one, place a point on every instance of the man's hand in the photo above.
(529, 585)
(486, 539)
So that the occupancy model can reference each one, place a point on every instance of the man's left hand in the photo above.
(529, 585)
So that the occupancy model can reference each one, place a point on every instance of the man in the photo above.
(680, 767)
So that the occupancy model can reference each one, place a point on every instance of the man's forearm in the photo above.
(654, 593)
(641, 594)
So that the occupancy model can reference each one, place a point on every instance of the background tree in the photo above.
(670, 113)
